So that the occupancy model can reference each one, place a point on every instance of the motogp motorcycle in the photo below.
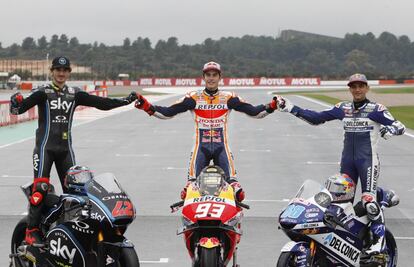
(83, 228)
(322, 238)
(211, 219)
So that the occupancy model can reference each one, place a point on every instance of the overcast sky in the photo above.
(192, 21)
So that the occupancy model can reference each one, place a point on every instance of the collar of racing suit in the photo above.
(360, 104)
(211, 93)
(56, 87)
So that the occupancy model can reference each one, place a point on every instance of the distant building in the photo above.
(287, 35)
(36, 67)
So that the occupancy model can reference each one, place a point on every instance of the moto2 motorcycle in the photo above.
(83, 228)
(211, 222)
(319, 238)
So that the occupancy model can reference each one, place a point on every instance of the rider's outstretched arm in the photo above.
(36, 97)
(82, 98)
(316, 118)
(258, 112)
(184, 104)
(310, 116)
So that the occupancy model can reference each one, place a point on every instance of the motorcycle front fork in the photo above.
(235, 258)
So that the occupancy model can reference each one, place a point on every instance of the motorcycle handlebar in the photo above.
(177, 204)
(242, 205)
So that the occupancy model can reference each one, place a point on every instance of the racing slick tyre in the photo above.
(129, 258)
(286, 259)
(17, 240)
(209, 257)
(392, 250)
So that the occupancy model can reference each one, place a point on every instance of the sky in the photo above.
(193, 21)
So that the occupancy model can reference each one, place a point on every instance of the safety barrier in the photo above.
(6, 118)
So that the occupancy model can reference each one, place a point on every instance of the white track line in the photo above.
(267, 200)
(90, 115)
(162, 260)
(328, 106)
(404, 237)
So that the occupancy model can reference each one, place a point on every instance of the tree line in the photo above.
(386, 56)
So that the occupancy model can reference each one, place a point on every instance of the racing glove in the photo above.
(15, 101)
(238, 191)
(283, 104)
(142, 103)
(272, 106)
(131, 97)
(388, 131)
(183, 193)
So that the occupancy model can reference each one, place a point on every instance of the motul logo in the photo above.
(241, 82)
(211, 107)
(146, 81)
(163, 82)
(305, 81)
(59, 104)
(185, 82)
(272, 81)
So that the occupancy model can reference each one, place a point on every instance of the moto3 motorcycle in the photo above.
(211, 222)
(319, 238)
(83, 228)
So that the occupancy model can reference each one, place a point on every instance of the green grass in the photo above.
(324, 98)
(405, 90)
(405, 114)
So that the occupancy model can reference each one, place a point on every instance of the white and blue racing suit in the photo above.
(362, 122)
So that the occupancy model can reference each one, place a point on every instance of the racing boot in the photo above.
(375, 253)
(33, 234)
(388, 198)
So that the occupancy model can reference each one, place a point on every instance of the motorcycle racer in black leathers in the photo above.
(56, 104)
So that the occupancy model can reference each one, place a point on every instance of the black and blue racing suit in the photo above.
(53, 136)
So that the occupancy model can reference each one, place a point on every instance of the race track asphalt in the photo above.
(273, 157)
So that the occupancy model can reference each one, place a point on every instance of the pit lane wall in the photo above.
(6, 118)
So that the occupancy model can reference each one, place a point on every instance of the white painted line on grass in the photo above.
(162, 260)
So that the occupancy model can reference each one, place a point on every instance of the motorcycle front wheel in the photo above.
(16, 241)
(209, 257)
(129, 258)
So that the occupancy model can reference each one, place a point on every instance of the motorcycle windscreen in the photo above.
(106, 191)
(64, 249)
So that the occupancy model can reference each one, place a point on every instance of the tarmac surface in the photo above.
(273, 157)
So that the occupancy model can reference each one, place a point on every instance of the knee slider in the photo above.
(41, 185)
